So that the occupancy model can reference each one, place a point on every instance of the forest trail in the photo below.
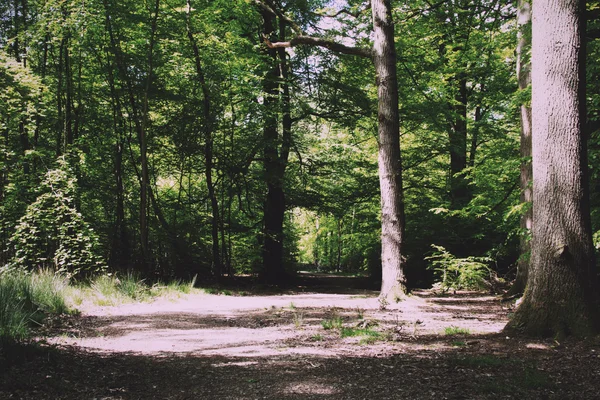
(307, 343)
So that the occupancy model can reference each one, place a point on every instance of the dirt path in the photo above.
(278, 347)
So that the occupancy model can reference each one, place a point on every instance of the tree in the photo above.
(561, 294)
(524, 79)
(383, 54)
(393, 280)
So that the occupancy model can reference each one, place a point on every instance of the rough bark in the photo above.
(561, 294)
(393, 282)
(524, 80)
(275, 161)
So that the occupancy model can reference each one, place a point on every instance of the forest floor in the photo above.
(326, 338)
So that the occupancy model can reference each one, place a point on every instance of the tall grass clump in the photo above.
(26, 300)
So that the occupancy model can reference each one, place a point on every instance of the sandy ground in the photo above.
(278, 347)
(266, 325)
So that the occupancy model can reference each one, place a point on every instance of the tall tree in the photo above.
(524, 80)
(561, 294)
(383, 54)
(393, 280)
(275, 157)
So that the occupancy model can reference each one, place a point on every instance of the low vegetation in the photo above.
(27, 300)
(456, 330)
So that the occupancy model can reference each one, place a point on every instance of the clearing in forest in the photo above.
(318, 341)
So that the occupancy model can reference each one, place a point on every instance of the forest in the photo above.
(452, 144)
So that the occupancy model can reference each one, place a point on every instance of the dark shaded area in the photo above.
(300, 282)
(504, 370)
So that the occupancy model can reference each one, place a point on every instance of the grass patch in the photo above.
(113, 290)
(459, 343)
(26, 300)
(333, 323)
(316, 338)
(298, 318)
(456, 330)
(352, 332)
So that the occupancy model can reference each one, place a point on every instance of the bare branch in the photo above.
(326, 43)
(346, 11)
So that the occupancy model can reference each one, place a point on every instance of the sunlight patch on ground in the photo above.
(310, 388)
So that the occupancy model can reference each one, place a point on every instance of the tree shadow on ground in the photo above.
(508, 370)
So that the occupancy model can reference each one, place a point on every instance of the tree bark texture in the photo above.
(524, 80)
(561, 294)
(275, 161)
(393, 282)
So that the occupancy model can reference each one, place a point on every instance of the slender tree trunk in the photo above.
(120, 250)
(459, 188)
(208, 150)
(68, 134)
(561, 297)
(143, 140)
(524, 80)
(60, 121)
(393, 280)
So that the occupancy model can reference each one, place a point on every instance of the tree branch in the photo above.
(326, 43)
(272, 8)
(346, 11)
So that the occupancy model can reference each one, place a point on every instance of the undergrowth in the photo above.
(27, 299)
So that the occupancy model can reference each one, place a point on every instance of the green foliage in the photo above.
(455, 273)
(53, 234)
(115, 289)
(351, 332)
(456, 330)
(332, 323)
(26, 299)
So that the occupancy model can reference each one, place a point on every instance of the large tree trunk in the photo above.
(275, 161)
(561, 294)
(393, 280)
(524, 79)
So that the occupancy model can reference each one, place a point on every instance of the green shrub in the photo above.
(53, 234)
(455, 273)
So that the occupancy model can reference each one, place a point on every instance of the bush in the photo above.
(53, 234)
(459, 273)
